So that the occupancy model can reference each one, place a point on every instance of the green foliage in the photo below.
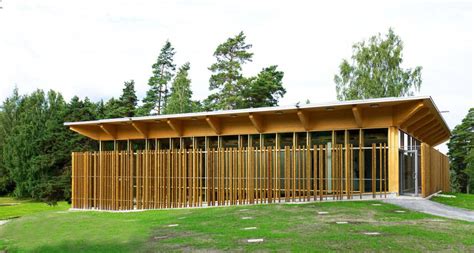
(226, 81)
(125, 106)
(231, 90)
(461, 153)
(180, 97)
(376, 71)
(265, 89)
(163, 71)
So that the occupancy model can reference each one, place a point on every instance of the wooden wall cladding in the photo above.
(434, 171)
(177, 178)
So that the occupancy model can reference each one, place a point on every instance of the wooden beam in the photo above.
(427, 134)
(176, 125)
(86, 132)
(426, 121)
(410, 113)
(110, 130)
(215, 124)
(257, 122)
(440, 140)
(415, 118)
(141, 128)
(426, 128)
(434, 135)
(304, 119)
(357, 112)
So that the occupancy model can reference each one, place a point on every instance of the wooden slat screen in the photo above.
(154, 179)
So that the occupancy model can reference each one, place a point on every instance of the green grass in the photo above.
(462, 200)
(283, 227)
(13, 208)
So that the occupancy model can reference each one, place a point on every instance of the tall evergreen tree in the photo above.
(461, 146)
(125, 106)
(227, 80)
(180, 97)
(376, 71)
(163, 71)
(265, 89)
(128, 99)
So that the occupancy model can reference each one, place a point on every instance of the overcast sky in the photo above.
(89, 48)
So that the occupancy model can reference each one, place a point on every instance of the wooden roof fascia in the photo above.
(141, 128)
(304, 119)
(176, 125)
(440, 140)
(357, 112)
(215, 124)
(257, 122)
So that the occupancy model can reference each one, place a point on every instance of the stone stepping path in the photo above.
(376, 204)
(400, 211)
(371, 233)
(250, 228)
(243, 210)
(322, 213)
(172, 225)
(342, 222)
(247, 218)
(3, 222)
(255, 240)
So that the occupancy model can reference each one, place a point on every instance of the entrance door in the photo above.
(409, 173)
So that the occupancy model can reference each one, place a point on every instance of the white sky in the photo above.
(89, 48)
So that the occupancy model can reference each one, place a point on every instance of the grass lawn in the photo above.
(283, 227)
(13, 208)
(462, 200)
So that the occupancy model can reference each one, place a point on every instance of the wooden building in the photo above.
(352, 149)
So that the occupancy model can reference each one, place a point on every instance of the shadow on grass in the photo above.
(84, 246)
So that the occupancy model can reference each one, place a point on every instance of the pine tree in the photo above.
(265, 89)
(163, 71)
(128, 100)
(180, 96)
(460, 148)
(227, 80)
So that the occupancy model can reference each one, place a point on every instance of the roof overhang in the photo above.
(417, 116)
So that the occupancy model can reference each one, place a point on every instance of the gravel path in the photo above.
(431, 207)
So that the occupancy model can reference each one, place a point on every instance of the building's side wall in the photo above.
(434, 170)
(125, 180)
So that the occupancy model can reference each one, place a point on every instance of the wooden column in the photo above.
(393, 160)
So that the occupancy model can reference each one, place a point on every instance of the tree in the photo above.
(128, 100)
(375, 71)
(163, 71)
(460, 153)
(36, 150)
(125, 106)
(265, 89)
(226, 80)
(180, 97)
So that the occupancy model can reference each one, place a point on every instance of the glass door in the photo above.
(409, 172)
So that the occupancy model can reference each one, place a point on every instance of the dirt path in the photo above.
(431, 207)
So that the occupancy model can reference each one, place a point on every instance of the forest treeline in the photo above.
(35, 147)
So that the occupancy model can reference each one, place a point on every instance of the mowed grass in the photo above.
(14, 208)
(461, 200)
(284, 227)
